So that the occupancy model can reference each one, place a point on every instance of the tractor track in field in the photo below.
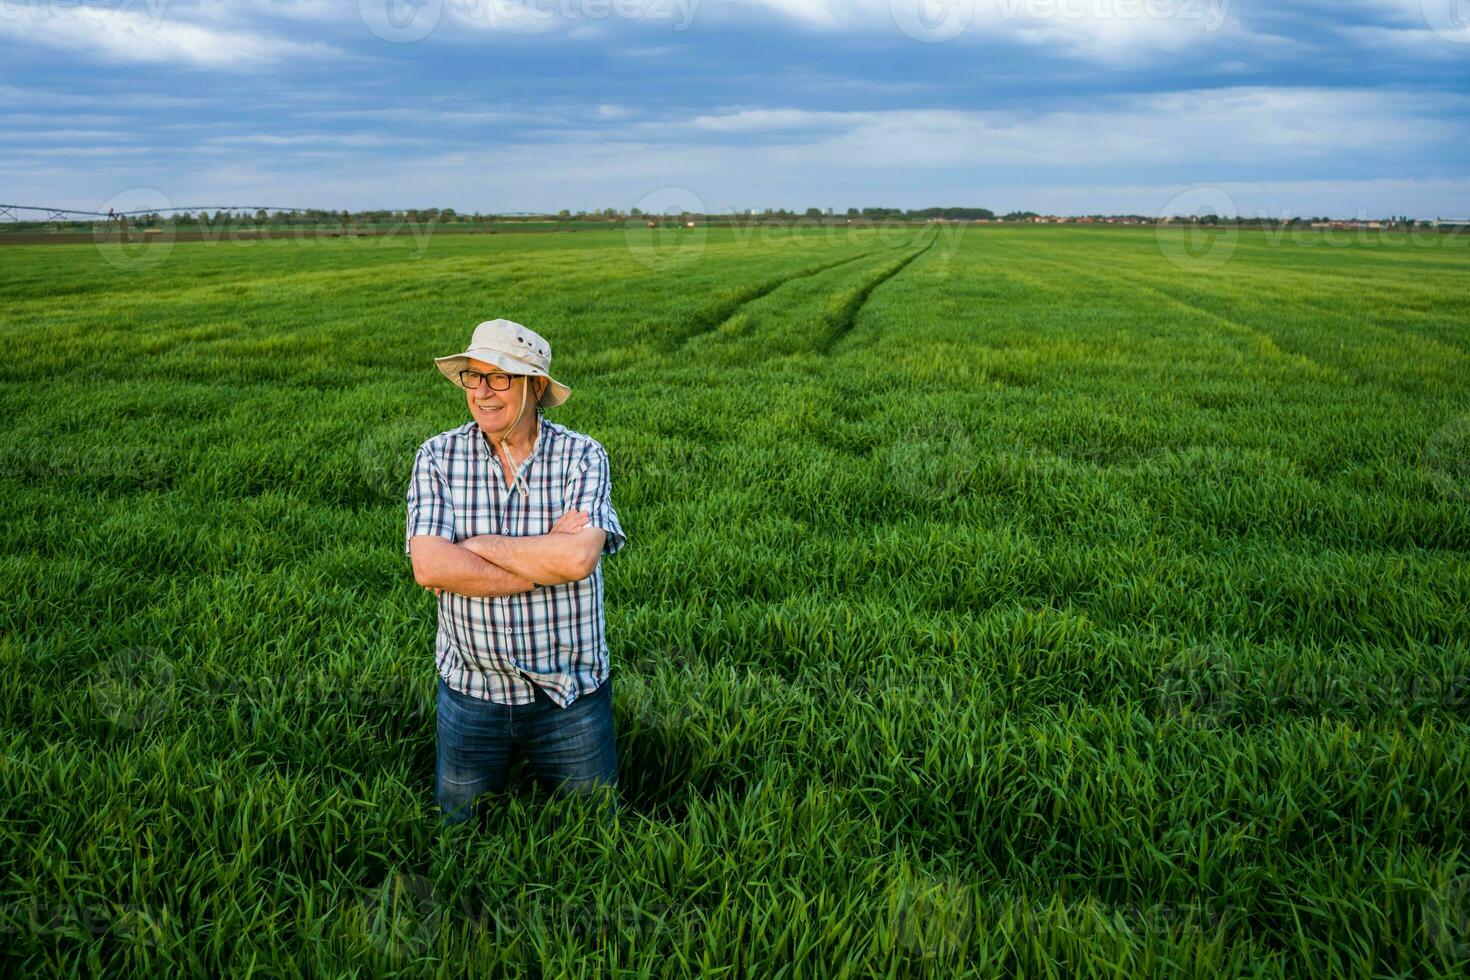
(1436, 345)
(722, 314)
(1264, 342)
(847, 314)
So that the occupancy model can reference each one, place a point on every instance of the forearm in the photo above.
(546, 559)
(441, 564)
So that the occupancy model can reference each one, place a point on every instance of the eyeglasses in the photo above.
(499, 380)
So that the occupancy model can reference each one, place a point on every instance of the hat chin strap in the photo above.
(505, 434)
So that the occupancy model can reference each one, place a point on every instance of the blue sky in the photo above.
(1071, 106)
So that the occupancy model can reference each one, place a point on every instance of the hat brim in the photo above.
(450, 366)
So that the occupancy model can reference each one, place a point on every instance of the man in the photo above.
(508, 517)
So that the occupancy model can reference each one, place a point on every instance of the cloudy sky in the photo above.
(1300, 107)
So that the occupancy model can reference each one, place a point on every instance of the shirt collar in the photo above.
(482, 445)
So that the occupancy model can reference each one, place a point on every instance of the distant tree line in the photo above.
(368, 219)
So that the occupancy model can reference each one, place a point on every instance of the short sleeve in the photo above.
(589, 489)
(430, 507)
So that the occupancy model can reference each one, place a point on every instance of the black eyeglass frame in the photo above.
(488, 375)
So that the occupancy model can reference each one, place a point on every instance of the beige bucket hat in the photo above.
(512, 348)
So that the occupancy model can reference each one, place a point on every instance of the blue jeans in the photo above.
(571, 750)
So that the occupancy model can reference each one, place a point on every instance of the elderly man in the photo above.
(508, 517)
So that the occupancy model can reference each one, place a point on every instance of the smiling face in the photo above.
(495, 411)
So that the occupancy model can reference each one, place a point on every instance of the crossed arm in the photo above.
(498, 565)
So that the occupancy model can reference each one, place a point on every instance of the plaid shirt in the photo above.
(493, 648)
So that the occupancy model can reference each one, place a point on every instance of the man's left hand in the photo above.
(571, 522)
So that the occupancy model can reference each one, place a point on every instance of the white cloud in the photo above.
(656, 51)
(758, 120)
(1097, 30)
(308, 139)
(72, 152)
(1249, 125)
(229, 11)
(1447, 40)
(32, 135)
(14, 95)
(505, 16)
(136, 35)
(1103, 153)
(1419, 197)
(830, 14)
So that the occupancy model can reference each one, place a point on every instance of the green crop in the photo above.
(1052, 602)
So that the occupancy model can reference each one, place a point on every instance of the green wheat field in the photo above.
(1058, 602)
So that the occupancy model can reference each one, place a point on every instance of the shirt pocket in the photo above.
(545, 514)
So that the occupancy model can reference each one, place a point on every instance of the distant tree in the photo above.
(813, 212)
